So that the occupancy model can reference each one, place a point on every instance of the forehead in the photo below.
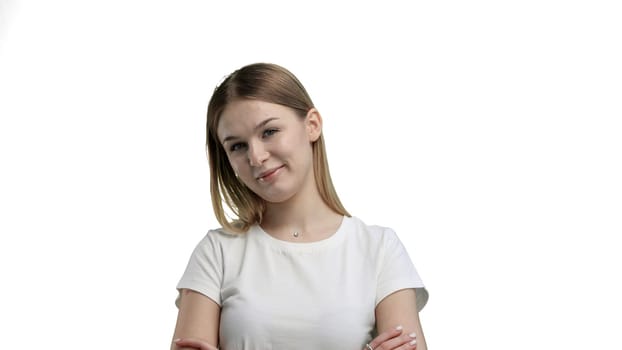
(242, 116)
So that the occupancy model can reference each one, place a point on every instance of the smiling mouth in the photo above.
(266, 174)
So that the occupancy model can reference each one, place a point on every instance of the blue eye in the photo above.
(236, 146)
(269, 132)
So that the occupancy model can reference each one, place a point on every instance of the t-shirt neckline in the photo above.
(335, 238)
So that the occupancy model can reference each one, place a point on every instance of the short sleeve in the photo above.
(396, 270)
(204, 271)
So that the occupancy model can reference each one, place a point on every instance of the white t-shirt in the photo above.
(283, 295)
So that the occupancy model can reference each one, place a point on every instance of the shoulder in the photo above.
(372, 230)
(222, 234)
(374, 234)
(219, 237)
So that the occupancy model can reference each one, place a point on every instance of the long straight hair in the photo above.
(269, 83)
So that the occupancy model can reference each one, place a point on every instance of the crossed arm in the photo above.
(398, 309)
(199, 318)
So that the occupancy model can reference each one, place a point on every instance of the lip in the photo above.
(269, 173)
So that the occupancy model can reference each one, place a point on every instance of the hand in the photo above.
(194, 343)
(393, 340)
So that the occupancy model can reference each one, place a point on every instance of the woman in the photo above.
(294, 270)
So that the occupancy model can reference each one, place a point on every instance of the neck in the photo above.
(305, 213)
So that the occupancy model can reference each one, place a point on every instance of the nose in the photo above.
(257, 154)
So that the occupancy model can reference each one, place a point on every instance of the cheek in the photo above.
(235, 164)
(295, 142)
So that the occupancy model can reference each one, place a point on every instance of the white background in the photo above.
(486, 133)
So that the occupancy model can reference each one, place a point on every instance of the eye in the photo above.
(236, 146)
(270, 132)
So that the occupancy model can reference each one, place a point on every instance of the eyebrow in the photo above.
(258, 126)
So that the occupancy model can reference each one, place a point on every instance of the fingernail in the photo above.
(413, 342)
(176, 340)
(398, 328)
(413, 335)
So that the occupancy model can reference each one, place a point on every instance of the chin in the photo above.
(275, 197)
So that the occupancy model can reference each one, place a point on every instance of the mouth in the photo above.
(268, 174)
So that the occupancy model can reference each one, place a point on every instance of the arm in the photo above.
(400, 308)
(198, 317)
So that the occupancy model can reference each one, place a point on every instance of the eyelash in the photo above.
(272, 131)
(266, 133)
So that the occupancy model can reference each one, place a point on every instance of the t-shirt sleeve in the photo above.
(204, 271)
(396, 270)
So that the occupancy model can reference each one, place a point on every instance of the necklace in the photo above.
(296, 234)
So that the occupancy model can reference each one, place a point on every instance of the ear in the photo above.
(313, 124)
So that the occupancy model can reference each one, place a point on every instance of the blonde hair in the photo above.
(269, 83)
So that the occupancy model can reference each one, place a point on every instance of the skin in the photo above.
(262, 138)
(198, 318)
(398, 308)
(270, 149)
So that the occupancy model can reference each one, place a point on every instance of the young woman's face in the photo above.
(269, 147)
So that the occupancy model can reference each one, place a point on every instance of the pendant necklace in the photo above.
(296, 234)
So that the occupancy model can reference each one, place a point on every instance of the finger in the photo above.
(404, 341)
(384, 336)
(410, 345)
(195, 343)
